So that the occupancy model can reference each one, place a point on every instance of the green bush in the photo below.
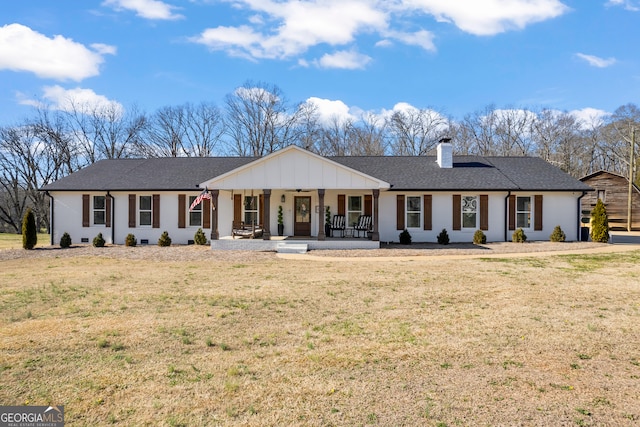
(280, 221)
(29, 231)
(599, 223)
(130, 240)
(479, 238)
(99, 241)
(558, 235)
(405, 237)
(200, 238)
(327, 215)
(65, 240)
(443, 237)
(519, 236)
(164, 239)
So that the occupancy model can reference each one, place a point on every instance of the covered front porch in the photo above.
(299, 191)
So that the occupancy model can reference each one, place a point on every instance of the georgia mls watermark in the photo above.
(31, 416)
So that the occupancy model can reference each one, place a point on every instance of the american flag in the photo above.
(204, 195)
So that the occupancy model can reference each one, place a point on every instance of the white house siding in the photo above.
(68, 218)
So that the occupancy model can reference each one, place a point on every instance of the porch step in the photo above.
(292, 248)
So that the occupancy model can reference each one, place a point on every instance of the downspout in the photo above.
(584, 193)
(113, 218)
(506, 216)
(51, 211)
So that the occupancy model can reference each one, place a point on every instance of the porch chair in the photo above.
(338, 223)
(363, 225)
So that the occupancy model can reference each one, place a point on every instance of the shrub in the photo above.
(599, 223)
(479, 238)
(327, 215)
(405, 237)
(130, 240)
(200, 238)
(98, 241)
(519, 236)
(443, 237)
(65, 240)
(164, 239)
(558, 235)
(280, 221)
(29, 231)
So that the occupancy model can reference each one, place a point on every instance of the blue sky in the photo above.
(348, 56)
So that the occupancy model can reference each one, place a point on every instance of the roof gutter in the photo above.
(51, 218)
(506, 215)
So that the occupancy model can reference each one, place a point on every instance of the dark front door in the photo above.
(302, 220)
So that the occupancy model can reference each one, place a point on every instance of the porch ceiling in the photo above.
(294, 168)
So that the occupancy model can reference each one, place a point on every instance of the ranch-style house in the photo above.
(370, 199)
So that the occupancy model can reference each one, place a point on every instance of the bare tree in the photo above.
(416, 132)
(258, 120)
(105, 131)
(369, 137)
(204, 128)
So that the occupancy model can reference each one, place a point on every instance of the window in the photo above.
(195, 215)
(469, 211)
(414, 205)
(523, 212)
(601, 196)
(251, 210)
(99, 210)
(354, 209)
(144, 211)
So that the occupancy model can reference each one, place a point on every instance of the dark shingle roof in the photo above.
(167, 173)
(403, 173)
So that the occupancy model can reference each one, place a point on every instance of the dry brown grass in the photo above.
(546, 340)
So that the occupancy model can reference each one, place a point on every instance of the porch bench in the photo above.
(243, 230)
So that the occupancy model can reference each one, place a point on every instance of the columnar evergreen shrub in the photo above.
(130, 240)
(405, 237)
(65, 240)
(29, 231)
(518, 236)
(558, 235)
(479, 238)
(99, 241)
(164, 239)
(443, 237)
(200, 238)
(599, 223)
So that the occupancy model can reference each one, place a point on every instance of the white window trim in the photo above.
(94, 210)
(348, 211)
(256, 210)
(530, 212)
(198, 208)
(150, 210)
(407, 212)
(476, 212)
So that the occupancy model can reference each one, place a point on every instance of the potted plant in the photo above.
(280, 222)
(327, 221)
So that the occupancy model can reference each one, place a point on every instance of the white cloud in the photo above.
(344, 59)
(596, 61)
(630, 5)
(489, 17)
(287, 29)
(58, 98)
(148, 9)
(590, 117)
(332, 111)
(22, 49)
